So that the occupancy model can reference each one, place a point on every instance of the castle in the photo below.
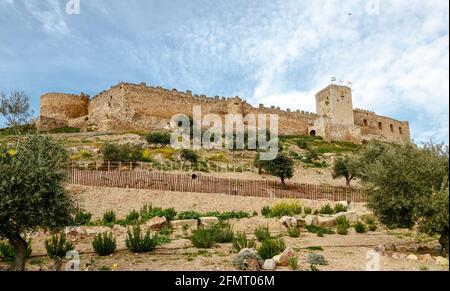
(128, 106)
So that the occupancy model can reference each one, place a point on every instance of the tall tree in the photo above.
(16, 109)
(282, 166)
(347, 167)
(32, 193)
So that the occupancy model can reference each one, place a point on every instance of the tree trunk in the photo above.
(20, 247)
(348, 182)
(444, 241)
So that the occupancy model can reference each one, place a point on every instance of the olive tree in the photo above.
(347, 167)
(15, 108)
(282, 166)
(32, 193)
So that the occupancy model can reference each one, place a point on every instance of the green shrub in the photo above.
(168, 213)
(265, 211)
(301, 143)
(342, 229)
(137, 244)
(204, 238)
(82, 218)
(230, 215)
(262, 233)
(104, 244)
(240, 241)
(338, 208)
(307, 210)
(133, 216)
(162, 238)
(319, 233)
(326, 209)
(109, 217)
(158, 138)
(122, 153)
(145, 211)
(189, 215)
(8, 254)
(65, 130)
(223, 233)
(293, 263)
(58, 246)
(293, 231)
(360, 227)
(372, 227)
(188, 155)
(270, 248)
(316, 212)
(315, 229)
(285, 209)
(316, 259)
(369, 219)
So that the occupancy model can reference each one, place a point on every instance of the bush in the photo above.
(319, 233)
(315, 229)
(342, 225)
(293, 263)
(301, 143)
(265, 211)
(168, 213)
(223, 233)
(270, 248)
(133, 216)
(326, 209)
(316, 259)
(109, 217)
(137, 244)
(8, 254)
(316, 212)
(104, 244)
(372, 227)
(189, 215)
(307, 210)
(121, 153)
(240, 241)
(285, 209)
(293, 231)
(188, 155)
(360, 227)
(262, 233)
(204, 238)
(158, 138)
(369, 219)
(58, 246)
(342, 230)
(338, 208)
(82, 218)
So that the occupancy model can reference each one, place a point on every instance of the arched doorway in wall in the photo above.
(312, 133)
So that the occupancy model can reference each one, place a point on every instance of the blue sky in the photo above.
(277, 52)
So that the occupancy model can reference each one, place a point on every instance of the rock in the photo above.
(184, 227)
(252, 265)
(156, 223)
(301, 221)
(281, 260)
(441, 261)
(311, 220)
(288, 221)
(91, 231)
(269, 265)
(398, 256)
(119, 229)
(208, 221)
(425, 258)
(289, 253)
(412, 257)
(344, 203)
(351, 216)
(390, 247)
(245, 257)
(326, 221)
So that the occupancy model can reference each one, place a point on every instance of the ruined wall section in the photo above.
(57, 109)
(379, 127)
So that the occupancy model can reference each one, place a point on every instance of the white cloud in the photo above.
(49, 14)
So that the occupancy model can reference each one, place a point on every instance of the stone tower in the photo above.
(335, 103)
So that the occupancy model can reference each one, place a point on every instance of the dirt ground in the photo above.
(342, 252)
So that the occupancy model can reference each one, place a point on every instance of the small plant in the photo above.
(312, 268)
(188, 215)
(240, 242)
(262, 233)
(338, 208)
(240, 261)
(369, 219)
(166, 230)
(188, 155)
(145, 211)
(315, 229)
(360, 227)
(58, 246)
(342, 225)
(265, 211)
(82, 218)
(137, 244)
(223, 233)
(109, 217)
(158, 138)
(270, 248)
(293, 263)
(316, 212)
(162, 238)
(316, 259)
(319, 233)
(372, 227)
(326, 209)
(104, 244)
(285, 209)
(232, 214)
(307, 210)
(255, 213)
(133, 216)
(204, 238)
(293, 231)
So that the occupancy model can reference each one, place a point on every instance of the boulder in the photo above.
(208, 221)
(94, 230)
(269, 265)
(184, 227)
(289, 253)
(345, 203)
(252, 265)
(398, 256)
(324, 221)
(351, 216)
(311, 220)
(156, 223)
(412, 257)
(281, 260)
(441, 261)
(288, 221)
(301, 221)
(425, 258)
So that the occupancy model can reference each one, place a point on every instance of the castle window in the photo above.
(380, 126)
(312, 133)
(400, 130)
(365, 122)
(392, 128)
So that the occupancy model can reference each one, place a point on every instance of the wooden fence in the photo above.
(206, 184)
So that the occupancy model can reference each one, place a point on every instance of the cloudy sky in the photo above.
(276, 52)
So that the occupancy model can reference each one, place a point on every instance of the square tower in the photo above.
(335, 103)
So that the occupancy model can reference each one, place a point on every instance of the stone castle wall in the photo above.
(128, 106)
